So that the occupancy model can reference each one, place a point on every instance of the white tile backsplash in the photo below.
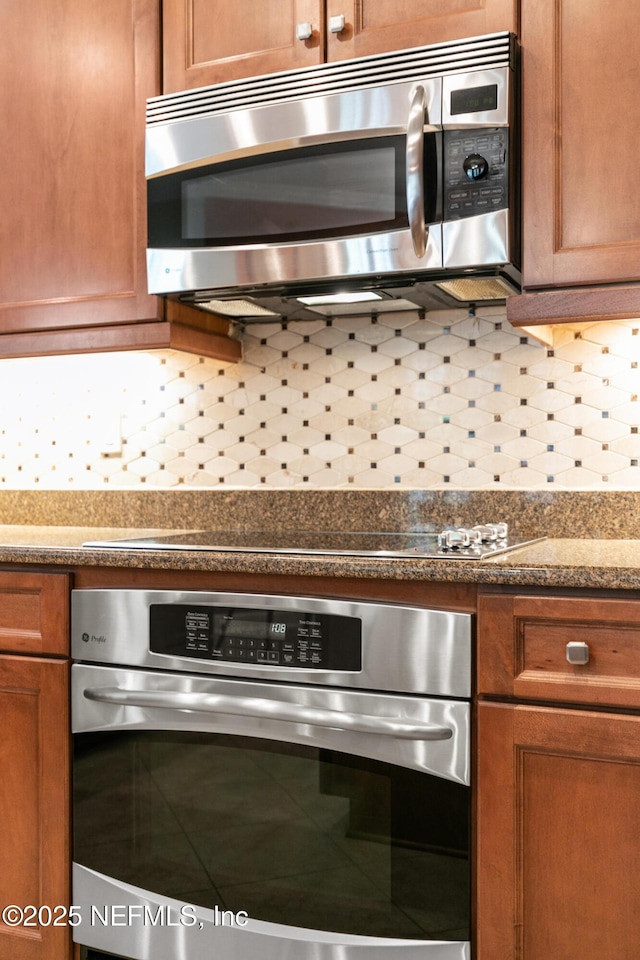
(443, 401)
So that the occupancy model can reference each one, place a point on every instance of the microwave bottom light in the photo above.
(341, 298)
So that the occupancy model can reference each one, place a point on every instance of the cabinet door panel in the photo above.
(34, 801)
(581, 210)
(375, 26)
(211, 41)
(73, 81)
(34, 613)
(558, 839)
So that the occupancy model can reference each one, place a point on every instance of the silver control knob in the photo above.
(492, 531)
(502, 529)
(453, 538)
(474, 535)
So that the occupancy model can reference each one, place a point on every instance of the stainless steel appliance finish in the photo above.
(392, 173)
(451, 543)
(405, 649)
(397, 702)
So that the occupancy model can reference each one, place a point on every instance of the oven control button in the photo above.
(268, 656)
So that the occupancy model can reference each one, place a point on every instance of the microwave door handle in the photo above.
(270, 710)
(415, 170)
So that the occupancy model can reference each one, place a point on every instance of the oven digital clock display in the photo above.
(256, 637)
(231, 627)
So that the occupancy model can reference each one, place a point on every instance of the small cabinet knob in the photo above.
(304, 30)
(337, 23)
(577, 652)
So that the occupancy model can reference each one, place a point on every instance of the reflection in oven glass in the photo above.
(294, 835)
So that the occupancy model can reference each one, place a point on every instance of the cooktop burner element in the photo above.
(474, 543)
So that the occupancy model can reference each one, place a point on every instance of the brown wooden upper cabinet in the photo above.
(206, 43)
(73, 81)
(581, 199)
(74, 78)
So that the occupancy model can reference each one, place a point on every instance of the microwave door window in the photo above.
(315, 195)
(343, 189)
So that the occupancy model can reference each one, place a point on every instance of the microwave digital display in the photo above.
(474, 99)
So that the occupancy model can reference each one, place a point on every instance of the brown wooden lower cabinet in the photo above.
(558, 834)
(34, 802)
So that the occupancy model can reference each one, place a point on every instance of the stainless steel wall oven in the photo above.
(269, 776)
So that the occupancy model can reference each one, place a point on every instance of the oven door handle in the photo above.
(269, 710)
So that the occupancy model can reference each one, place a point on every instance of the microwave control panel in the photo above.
(475, 172)
(274, 638)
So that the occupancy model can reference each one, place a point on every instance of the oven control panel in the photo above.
(277, 638)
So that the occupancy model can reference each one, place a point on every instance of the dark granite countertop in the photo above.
(603, 564)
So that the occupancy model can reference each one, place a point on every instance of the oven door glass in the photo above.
(348, 188)
(290, 834)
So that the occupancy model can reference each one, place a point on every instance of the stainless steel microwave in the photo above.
(389, 180)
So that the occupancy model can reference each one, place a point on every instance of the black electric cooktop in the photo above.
(450, 543)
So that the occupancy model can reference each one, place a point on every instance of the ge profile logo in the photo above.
(91, 637)
(85, 638)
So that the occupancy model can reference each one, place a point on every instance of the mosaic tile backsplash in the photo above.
(442, 401)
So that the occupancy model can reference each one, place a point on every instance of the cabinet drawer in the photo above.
(523, 652)
(34, 613)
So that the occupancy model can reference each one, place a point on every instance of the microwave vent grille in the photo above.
(477, 53)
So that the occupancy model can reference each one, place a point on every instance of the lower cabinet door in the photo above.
(34, 805)
(558, 834)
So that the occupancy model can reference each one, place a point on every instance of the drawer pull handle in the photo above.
(577, 652)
